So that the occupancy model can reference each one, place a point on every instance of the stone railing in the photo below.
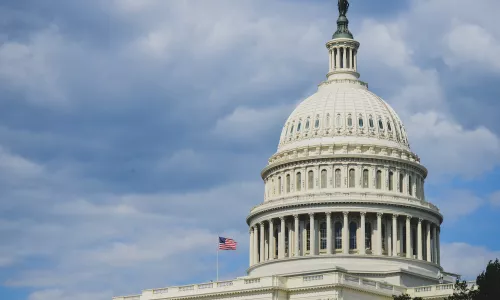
(439, 290)
(270, 282)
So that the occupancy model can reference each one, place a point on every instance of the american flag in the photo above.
(227, 244)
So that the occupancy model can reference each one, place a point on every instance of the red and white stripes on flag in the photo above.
(227, 244)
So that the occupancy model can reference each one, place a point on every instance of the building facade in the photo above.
(344, 214)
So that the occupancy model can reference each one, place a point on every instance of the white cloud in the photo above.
(466, 260)
(457, 203)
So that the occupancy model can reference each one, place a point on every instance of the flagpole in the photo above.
(217, 259)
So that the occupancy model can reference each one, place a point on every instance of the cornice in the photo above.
(342, 158)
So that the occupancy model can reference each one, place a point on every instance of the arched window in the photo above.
(371, 122)
(352, 178)
(368, 235)
(338, 178)
(338, 235)
(310, 180)
(327, 120)
(291, 129)
(361, 123)
(308, 237)
(288, 183)
(380, 125)
(401, 182)
(397, 135)
(391, 181)
(383, 237)
(353, 227)
(410, 186)
(307, 124)
(365, 178)
(298, 183)
(322, 236)
(316, 124)
(299, 126)
(379, 180)
(279, 185)
(323, 179)
(349, 121)
(339, 121)
(389, 126)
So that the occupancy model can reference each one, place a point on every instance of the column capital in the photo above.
(270, 221)
(420, 220)
(261, 224)
(395, 216)
(296, 216)
(250, 230)
(311, 214)
(346, 213)
(328, 213)
(408, 217)
(282, 218)
(379, 214)
(363, 213)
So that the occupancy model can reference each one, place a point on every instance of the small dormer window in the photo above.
(389, 126)
(291, 129)
(361, 122)
(307, 124)
(371, 123)
(380, 125)
(316, 124)
(299, 126)
(339, 121)
(349, 121)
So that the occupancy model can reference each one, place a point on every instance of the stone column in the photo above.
(337, 62)
(290, 235)
(281, 247)
(345, 58)
(408, 237)
(312, 235)
(379, 233)
(272, 241)
(434, 248)
(345, 233)
(255, 245)
(330, 59)
(438, 255)
(428, 242)
(296, 235)
(394, 235)
(362, 245)
(355, 60)
(262, 244)
(251, 245)
(329, 233)
(419, 239)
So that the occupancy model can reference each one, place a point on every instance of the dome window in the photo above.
(349, 121)
(316, 124)
(389, 126)
(291, 129)
(371, 123)
(339, 121)
(328, 120)
(361, 122)
(307, 124)
(299, 126)
(380, 125)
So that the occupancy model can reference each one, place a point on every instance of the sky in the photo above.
(133, 133)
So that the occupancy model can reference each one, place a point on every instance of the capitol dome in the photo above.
(344, 191)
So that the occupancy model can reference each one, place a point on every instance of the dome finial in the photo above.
(342, 21)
